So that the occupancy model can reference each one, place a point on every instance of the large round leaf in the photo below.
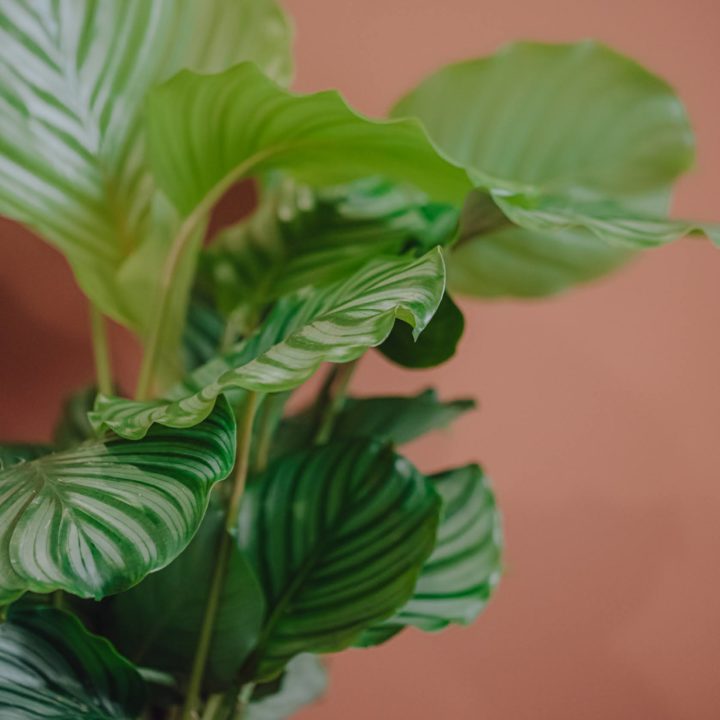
(464, 568)
(95, 519)
(553, 119)
(337, 536)
(337, 323)
(51, 668)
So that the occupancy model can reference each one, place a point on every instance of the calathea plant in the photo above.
(189, 549)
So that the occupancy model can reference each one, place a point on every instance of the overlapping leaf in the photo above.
(337, 536)
(95, 519)
(302, 237)
(554, 123)
(333, 324)
(396, 419)
(51, 668)
(464, 568)
(157, 623)
(243, 124)
(72, 166)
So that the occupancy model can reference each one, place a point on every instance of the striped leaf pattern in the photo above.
(333, 324)
(51, 668)
(95, 519)
(244, 124)
(464, 568)
(537, 122)
(337, 536)
(303, 237)
(76, 74)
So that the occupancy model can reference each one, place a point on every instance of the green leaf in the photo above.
(72, 145)
(396, 419)
(333, 324)
(464, 568)
(95, 519)
(435, 346)
(303, 682)
(202, 335)
(157, 623)
(302, 237)
(552, 120)
(244, 124)
(337, 536)
(51, 668)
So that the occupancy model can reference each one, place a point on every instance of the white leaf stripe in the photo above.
(76, 74)
(464, 568)
(95, 519)
(337, 535)
(333, 324)
(50, 667)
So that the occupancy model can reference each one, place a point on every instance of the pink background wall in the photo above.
(600, 409)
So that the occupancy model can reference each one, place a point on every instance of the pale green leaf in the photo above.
(95, 519)
(76, 75)
(337, 536)
(458, 578)
(552, 120)
(51, 668)
(333, 324)
(241, 123)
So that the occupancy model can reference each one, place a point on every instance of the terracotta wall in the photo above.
(599, 412)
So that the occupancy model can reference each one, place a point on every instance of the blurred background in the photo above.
(599, 410)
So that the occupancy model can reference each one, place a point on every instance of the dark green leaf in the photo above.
(464, 568)
(73, 426)
(51, 668)
(95, 519)
(396, 419)
(337, 536)
(157, 623)
(12, 454)
(435, 346)
(337, 323)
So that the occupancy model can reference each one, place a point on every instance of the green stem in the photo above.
(101, 351)
(244, 700)
(192, 698)
(334, 400)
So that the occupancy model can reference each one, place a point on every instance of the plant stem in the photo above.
(101, 351)
(192, 698)
(334, 399)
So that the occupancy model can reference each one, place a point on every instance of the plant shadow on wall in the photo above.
(190, 551)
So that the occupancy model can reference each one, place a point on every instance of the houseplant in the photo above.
(214, 544)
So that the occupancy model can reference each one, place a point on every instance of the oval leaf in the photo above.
(333, 324)
(457, 580)
(337, 536)
(52, 668)
(552, 119)
(94, 520)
